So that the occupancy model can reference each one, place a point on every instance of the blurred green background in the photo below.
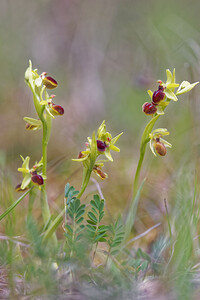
(105, 55)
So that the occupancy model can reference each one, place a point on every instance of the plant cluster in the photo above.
(92, 247)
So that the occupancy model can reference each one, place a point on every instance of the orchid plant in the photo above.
(160, 99)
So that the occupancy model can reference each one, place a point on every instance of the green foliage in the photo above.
(116, 237)
(70, 193)
(97, 232)
(74, 227)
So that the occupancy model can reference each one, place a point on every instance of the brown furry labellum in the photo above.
(149, 108)
(57, 109)
(158, 96)
(49, 82)
(101, 146)
(36, 178)
(160, 148)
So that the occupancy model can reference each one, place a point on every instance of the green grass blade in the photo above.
(132, 211)
(10, 208)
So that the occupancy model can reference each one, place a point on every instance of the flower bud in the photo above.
(19, 189)
(101, 146)
(81, 155)
(57, 109)
(100, 173)
(160, 148)
(29, 126)
(36, 178)
(49, 82)
(149, 108)
(158, 96)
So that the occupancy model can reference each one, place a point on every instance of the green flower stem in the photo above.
(86, 178)
(54, 224)
(44, 201)
(46, 214)
(144, 140)
(32, 196)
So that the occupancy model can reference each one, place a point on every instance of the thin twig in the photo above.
(143, 234)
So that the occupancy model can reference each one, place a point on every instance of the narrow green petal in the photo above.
(93, 148)
(32, 121)
(48, 111)
(152, 147)
(184, 87)
(101, 130)
(150, 93)
(80, 159)
(26, 181)
(43, 102)
(108, 155)
(115, 139)
(170, 95)
(167, 144)
(162, 131)
(25, 164)
(23, 170)
(172, 85)
(169, 76)
(114, 148)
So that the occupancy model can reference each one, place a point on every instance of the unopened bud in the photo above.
(49, 82)
(160, 148)
(149, 108)
(19, 189)
(100, 173)
(29, 126)
(81, 155)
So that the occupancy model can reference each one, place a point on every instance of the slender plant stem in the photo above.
(32, 196)
(86, 179)
(44, 201)
(144, 141)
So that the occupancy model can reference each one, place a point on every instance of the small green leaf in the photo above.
(68, 227)
(93, 203)
(101, 216)
(92, 216)
(97, 200)
(101, 206)
(79, 220)
(91, 228)
(80, 213)
(91, 222)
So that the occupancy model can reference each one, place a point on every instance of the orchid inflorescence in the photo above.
(96, 146)
(46, 110)
(33, 175)
(160, 99)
